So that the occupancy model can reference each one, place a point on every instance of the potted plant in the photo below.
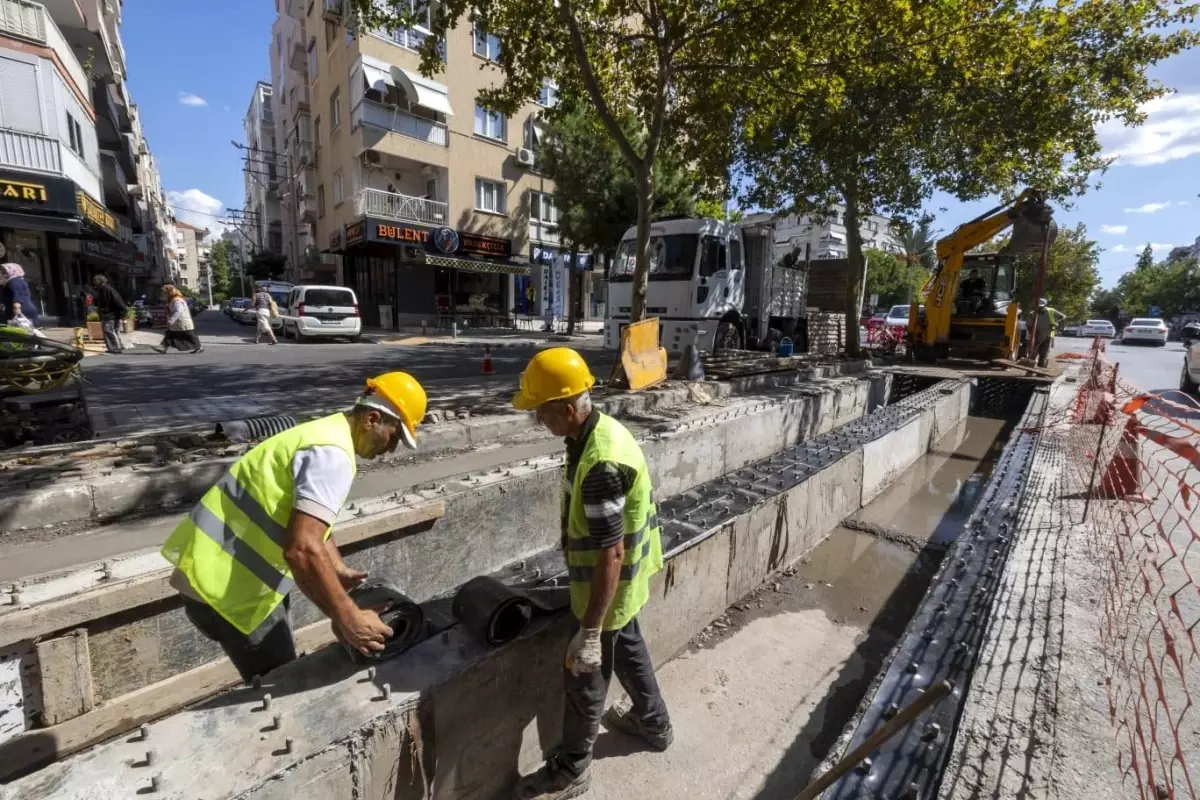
(128, 323)
(94, 328)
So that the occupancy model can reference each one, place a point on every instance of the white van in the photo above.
(321, 312)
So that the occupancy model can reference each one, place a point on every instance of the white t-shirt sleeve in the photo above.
(321, 477)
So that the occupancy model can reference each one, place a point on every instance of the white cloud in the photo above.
(1119, 248)
(1149, 208)
(1171, 132)
(189, 99)
(1160, 246)
(1115, 230)
(197, 208)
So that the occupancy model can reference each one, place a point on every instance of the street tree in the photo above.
(1071, 274)
(893, 277)
(1105, 304)
(919, 243)
(965, 96)
(266, 265)
(1171, 286)
(220, 267)
(673, 64)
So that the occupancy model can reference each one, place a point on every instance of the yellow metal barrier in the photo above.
(642, 359)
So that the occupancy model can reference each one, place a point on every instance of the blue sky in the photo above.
(193, 67)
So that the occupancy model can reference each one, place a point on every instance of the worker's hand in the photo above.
(348, 575)
(584, 653)
(363, 630)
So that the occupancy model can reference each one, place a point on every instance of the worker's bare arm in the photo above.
(605, 577)
(348, 575)
(317, 577)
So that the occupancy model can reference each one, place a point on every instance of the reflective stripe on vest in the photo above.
(231, 546)
(612, 442)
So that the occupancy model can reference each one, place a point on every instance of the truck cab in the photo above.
(696, 289)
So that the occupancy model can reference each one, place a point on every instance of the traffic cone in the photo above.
(1123, 476)
(487, 360)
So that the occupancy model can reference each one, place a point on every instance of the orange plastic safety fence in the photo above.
(1137, 457)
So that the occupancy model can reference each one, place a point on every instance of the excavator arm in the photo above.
(1028, 215)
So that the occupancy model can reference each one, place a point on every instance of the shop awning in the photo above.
(423, 92)
(478, 265)
(39, 222)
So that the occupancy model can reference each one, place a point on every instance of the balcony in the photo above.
(30, 151)
(298, 97)
(31, 21)
(332, 10)
(543, 232)
(395, 120)
(401, 207)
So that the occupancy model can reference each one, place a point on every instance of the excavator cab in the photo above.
(969, 300)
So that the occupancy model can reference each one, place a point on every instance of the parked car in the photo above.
(235, 304)
(1189, 377)
(1098, 327)
(1190, 333)
(1145, 330)
(897, 316)
(1074, 329)
(310, 312)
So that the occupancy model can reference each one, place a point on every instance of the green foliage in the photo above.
(1071, 275)
(675, 66)
(967, 96)
(893, 277)
(220, 267)
(1145, 259)
(1173, 286)
(920, 244)
(1106, 303)
(266, 265)
(595, 191)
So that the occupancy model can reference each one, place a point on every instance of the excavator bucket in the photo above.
(644, 362)
(1033, 222)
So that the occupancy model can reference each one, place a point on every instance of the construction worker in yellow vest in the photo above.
(612, 547)
(265, 527)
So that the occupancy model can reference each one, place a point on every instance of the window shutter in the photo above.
(20, 103)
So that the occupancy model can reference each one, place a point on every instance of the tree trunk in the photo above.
(856, 277)
(641, 273)
(573, 287)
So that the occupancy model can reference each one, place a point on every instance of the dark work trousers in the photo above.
(623, 652)
(269, 646)
(112, 336)
(1043, 352)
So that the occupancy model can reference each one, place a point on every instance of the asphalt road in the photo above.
(1152, 369)
(232, 365)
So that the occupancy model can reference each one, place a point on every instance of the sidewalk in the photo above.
(532, 335)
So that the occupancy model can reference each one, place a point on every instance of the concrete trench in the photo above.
(460, 717)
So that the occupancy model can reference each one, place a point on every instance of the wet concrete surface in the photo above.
(762, 694)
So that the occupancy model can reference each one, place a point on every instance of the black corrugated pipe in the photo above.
(255, 428)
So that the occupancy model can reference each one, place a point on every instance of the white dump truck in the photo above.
(717, 284)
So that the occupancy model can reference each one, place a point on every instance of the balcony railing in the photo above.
(544, 232)
(393, 205)
(396, 120)
(29, 151)
(24, 19)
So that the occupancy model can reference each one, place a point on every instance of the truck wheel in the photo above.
(728, 337)
(1186, 384)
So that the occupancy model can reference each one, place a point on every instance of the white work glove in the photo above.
(584, 653)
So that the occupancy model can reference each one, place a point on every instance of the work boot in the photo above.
(626, 721)
(552, 782)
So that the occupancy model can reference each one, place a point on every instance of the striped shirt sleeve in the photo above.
(603, 494)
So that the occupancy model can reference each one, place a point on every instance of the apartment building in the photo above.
(189, 244)
(262, 174)
(79, 195)
(432, 203)
(825, 238)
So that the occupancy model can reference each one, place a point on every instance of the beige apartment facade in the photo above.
(434, 205)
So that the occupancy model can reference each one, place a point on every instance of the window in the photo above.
(489, 196)
(74, 134)
(548, 94)
(312, 58)
(413, 37)
(431, 189)
(491, 124)
(317, 133)
(486, 45)
(330, 34)
(337, 188)
(533, 133)
(672, 257)
(712, 258)
(335, 109)
(321, 200)
(735, 253)
(542, 208)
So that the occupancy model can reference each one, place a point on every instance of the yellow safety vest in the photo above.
(230, 547)
(612, 441)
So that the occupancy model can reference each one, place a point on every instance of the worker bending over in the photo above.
(265, 526)
(612, 547)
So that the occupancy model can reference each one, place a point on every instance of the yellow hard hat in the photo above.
(400, 395)
(553, 374)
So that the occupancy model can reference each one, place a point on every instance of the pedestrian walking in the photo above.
(264, 528)
(264, 311)
(181, 331)
(16, 290)
(612, 546)
(112, 309)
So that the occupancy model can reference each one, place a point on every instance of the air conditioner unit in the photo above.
(525, 157)
(372, 158)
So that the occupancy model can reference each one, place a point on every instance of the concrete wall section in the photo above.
(890, 455)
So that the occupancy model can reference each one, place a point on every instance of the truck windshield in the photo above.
(672, 257)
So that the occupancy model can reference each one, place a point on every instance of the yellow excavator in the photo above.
(976, 317)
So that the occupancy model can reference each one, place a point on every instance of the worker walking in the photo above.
(612, 547)
(265, 527)
(1047, 325)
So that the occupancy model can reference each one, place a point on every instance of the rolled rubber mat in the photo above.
(403, 616)
(499, 613)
